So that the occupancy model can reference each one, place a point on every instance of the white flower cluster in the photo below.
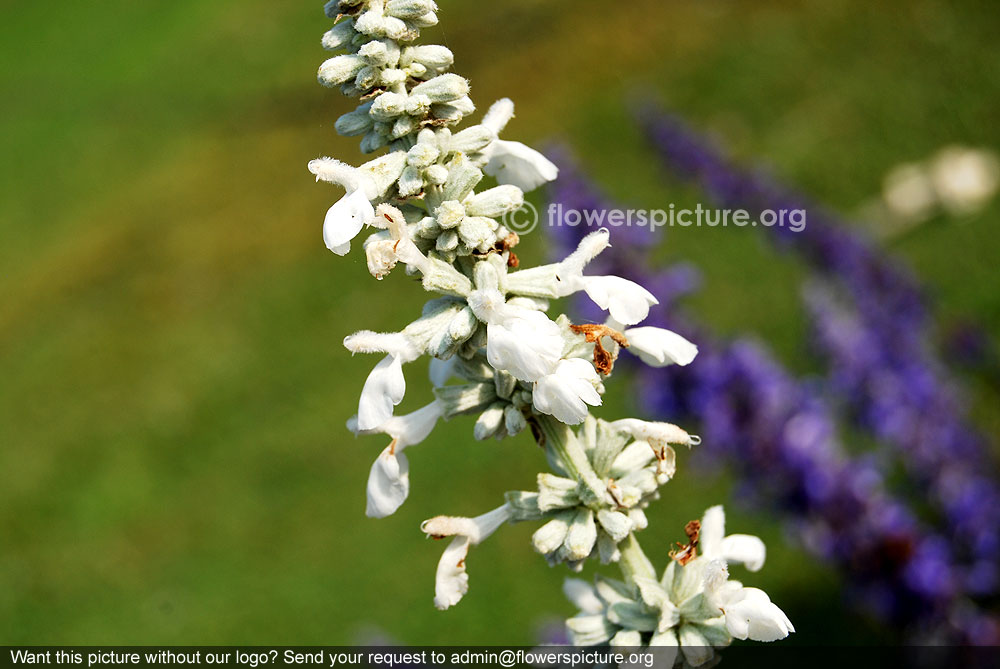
(487, 327)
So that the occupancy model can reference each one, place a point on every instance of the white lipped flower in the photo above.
(749, 612)
(452, 581)
(626, 301)
(345, 219)
(659, 436)
(385, 386)
(744, 549)
(389, 479)
(383, 252)
(658, 347)
(519, 340)
(514, 163)
(566, 392)
(656, 433)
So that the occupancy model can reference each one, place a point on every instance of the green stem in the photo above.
(633, 561)
(567, 450)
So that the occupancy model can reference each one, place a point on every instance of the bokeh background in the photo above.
(174, 464)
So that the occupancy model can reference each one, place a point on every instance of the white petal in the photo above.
(566, 393)
(744, 548)
(625, 300)
(345, 219)
(658, 347)
(451, 582)
(655, 432)
(383, 390)
(519, 165)
(388, 483)
(499, 114)
(755, 617)
(528, 345)
(582, 595)
(713, 529)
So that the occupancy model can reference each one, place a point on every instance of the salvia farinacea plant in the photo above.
(498, 356)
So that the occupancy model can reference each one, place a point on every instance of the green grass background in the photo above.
(174, 466)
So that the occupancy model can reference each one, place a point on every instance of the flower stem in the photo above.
(565, 449)
(633, 561)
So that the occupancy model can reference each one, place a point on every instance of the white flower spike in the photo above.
(499, 356)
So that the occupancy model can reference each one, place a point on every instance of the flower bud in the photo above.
(489, 422)
(373, 141)
(410, 182)
(450, 214)
(463, 176)
(477, 232)
(551, 535)
(409, 9)
(582, 535)
(339, 69)
(356, 122)
(447, 241)
(436, 174)
(495, 202)
(388, 106)
(340, 36)
(443, 88)
(472, 140)
(514, 420)
(431, 56)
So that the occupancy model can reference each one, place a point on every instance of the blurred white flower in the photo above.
(965, 179)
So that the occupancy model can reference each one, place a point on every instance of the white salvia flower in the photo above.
(385, 385)
(654, 432)
(626, 301)
(740, 548)
(519, 340)
(519, 165)
(566, 392)
(452, 582)
(514, 163)
(345, 219)
(658, 347)
(383, 254)
(389, 479)
(750, 614)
